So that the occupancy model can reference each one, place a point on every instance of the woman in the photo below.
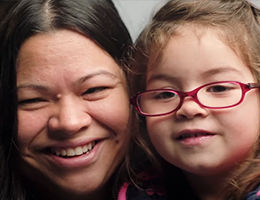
(63, 133)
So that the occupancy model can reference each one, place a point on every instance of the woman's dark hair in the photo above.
(21, 19)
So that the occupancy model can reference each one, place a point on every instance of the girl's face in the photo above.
(198, 140)
(73, 111)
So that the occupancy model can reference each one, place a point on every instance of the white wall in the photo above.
(136, 13)
(256, 3)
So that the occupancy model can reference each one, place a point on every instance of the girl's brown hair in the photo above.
(237, 23)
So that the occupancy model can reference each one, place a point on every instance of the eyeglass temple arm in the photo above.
(253, 85)
(133, 100)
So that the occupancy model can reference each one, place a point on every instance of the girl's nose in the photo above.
(69, 117)
(190, 109)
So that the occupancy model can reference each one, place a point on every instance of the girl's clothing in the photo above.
(254, 195)
(149, 189)
(153, 187)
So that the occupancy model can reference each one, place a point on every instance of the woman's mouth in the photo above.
(75, 155)
(73, 151)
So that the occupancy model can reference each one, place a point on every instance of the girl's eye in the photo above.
(217, 88)
(164, 95)
(220, 88)
(159, 96)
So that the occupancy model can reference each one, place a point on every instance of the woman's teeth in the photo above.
(77, 151)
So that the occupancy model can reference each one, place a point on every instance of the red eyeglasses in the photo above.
(216, 95)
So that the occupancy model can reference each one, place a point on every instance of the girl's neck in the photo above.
(214, 187)
(208, 187)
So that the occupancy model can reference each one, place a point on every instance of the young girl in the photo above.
(198, 70)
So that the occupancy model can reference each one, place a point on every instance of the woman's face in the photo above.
(73, 111)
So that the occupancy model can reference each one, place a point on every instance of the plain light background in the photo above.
(137, 13)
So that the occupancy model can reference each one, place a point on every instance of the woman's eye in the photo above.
(96, 93)
(32, 104)
(95, 90)
(31, 101)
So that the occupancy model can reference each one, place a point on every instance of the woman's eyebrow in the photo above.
(32, 86)
(80, 80)
(98, 73)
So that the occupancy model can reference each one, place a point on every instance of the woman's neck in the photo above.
(52, 192)
(42, 188)
(104, 194)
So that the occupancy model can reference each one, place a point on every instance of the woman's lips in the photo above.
(75, 156)
(73, 151)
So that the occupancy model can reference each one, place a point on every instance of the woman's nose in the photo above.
(70, 116)
(190, 109)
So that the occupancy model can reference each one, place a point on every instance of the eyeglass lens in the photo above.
(214, 95)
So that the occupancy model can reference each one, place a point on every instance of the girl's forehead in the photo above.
(184, 32)
(201, 51)
(195, 31)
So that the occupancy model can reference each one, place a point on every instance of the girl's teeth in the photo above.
(70, 152)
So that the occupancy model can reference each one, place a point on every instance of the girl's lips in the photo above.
(193, 133)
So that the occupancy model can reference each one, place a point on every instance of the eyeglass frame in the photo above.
(245, 87)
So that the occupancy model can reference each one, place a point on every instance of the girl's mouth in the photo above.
(193, 135)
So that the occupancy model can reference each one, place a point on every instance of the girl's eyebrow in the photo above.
(206, 74)
(219, 70)
(164, 77)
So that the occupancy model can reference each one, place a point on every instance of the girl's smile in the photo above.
(192, 137)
